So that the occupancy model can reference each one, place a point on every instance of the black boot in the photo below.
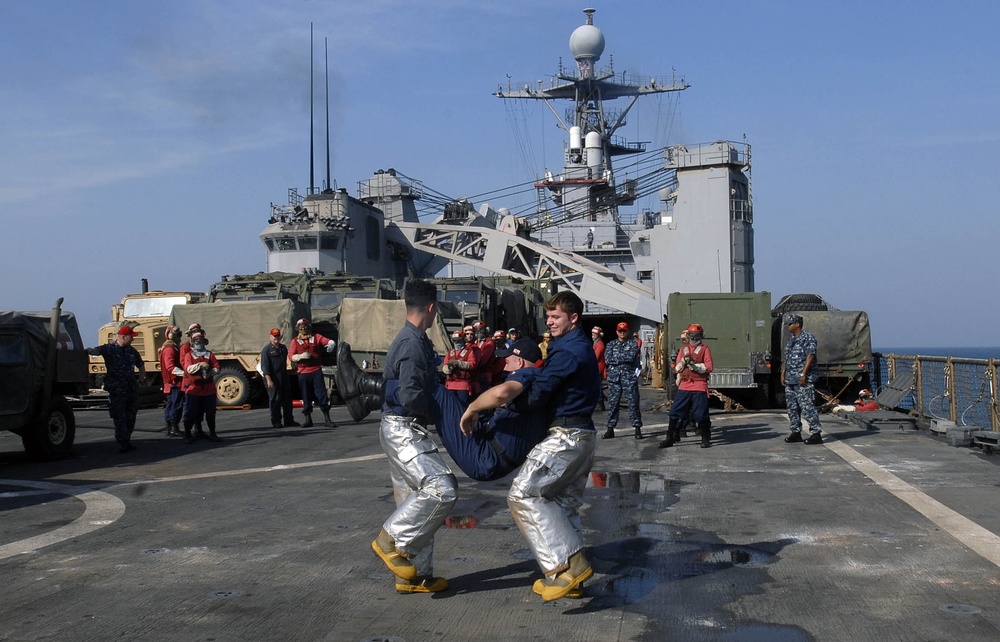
(638, 432)
(671, 431)
(188, 437)
(308, 421)
(198, 432)
(329, 423)
(173, 429)
(705, 428)
(212, 436)
(608, 434)
(362, 392)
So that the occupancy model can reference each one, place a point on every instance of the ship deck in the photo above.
(873, 535)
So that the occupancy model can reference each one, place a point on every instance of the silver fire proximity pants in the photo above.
(423, 485)
(546, 495)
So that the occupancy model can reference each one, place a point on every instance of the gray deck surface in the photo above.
(874, 535)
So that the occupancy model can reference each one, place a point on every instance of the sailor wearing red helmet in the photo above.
(305, 352)
(622, 359)
(694, 365)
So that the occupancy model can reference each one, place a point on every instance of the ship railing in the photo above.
(960, 390)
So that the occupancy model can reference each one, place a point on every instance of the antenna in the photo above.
(312, 162)
(326, 52)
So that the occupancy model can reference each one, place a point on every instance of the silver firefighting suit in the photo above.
(546, 495)
(423, 485)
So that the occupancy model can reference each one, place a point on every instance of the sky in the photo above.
(148, 139)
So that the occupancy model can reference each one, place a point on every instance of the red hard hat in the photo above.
(695, 327)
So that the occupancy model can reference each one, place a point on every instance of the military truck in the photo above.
(236, 332)
(500, 302)
(42, 361)
(148, 313)
(738, 331)
(746, 336)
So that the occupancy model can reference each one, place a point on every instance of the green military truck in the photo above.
(738, 331)
(42, 361)
(746, 336)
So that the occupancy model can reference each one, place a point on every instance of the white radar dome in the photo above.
(587, 42)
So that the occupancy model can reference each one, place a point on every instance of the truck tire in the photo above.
(51, 435)
(232, 387)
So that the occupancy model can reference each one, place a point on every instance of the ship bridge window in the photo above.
(270, 244)
(285, 244)
(308, 243)
(328, 242)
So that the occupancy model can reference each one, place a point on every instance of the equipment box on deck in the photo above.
(884, 420)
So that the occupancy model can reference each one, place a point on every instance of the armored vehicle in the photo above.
(41, 360)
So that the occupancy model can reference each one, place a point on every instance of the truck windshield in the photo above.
(152, 307)
(470, 296)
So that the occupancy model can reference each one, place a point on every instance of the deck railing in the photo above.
(960, 390)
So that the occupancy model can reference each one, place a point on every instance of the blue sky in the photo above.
(147, 139)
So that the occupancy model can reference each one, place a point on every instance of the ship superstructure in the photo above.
(700, 239)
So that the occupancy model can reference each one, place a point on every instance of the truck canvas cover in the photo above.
(370, 325)
(240, 326)
(844, 338)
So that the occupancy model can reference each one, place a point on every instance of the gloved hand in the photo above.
(330, 347)
(177, 372)
(679, 368)
(446, 368)
(700, 368)
(194, 368)
(300, 356)
(637, 371)
(462, 365)
(689, 362)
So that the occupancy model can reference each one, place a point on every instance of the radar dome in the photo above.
(587, 42)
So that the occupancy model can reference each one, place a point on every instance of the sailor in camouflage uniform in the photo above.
(622, 359)
(122, 384)
(799, 374)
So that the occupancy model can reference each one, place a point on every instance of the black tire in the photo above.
(800, 303)
(232, 387)
(51, 435)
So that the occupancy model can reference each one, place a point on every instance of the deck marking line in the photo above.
(100, 509)
(967, 532)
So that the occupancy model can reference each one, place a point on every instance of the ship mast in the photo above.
(587, 186)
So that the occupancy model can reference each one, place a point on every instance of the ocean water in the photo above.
(961, 353)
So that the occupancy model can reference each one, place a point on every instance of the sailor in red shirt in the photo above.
(304, 351)
(486, 347)
(694, 365)
(459, 367)
(602, 366)
(200, 367)
(173, 375)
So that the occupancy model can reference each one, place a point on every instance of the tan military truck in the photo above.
(148, 313)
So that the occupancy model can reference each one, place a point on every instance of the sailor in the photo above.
(595, 336)
(173, 377)
(622, 359)
(694, 365)
(122, 361)
(545, 497)
(470, 342)
(497, 374)
(513, 335)
(486, 346)
(274, 369)
(864, 403)
(305, 351)
(200, 368)
(543, 345)
(424, 486)
(459, 367)
(185, 351)
(799, 373)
